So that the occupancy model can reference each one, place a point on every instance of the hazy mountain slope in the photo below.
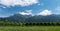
(29, 18)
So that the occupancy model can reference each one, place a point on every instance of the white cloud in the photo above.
(18, 2)
(27, 12)
(45, 13)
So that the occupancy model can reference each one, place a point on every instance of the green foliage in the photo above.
(8, 23)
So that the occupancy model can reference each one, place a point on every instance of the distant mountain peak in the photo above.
(29, 18)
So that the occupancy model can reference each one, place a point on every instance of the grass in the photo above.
(30, 28)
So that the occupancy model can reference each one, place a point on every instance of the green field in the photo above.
(30, 28)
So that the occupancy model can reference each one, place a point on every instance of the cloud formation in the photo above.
(18, 2)
(27, 12)
(45, 13)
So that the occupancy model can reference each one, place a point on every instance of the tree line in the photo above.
(8, 23)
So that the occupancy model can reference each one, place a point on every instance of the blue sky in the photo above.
(29, 7)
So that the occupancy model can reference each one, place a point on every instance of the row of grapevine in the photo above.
(6, 22)
(3, 23)
(43, 24)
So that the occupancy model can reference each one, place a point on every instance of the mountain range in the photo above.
(29, 18)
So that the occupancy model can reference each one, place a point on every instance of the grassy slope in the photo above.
(30, 28)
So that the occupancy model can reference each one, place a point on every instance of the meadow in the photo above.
(30, 28)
